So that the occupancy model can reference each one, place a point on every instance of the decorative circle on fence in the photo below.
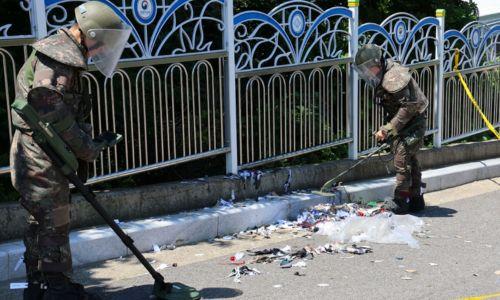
(400, 30)
(144, 11)
(476, 37)
(297, 23)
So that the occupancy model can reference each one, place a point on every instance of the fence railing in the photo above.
(195, 81)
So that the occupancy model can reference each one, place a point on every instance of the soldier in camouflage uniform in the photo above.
(404, 106)
(49, 81)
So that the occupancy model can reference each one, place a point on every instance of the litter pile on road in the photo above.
(347, 225)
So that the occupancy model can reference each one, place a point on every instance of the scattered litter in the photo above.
(385, 228)
(243, 270)
(121, 258)
(152, 261)
(458, 236)
(199, 254)
(170, 247)
(156, 248)
(238, 256)
(225, 204)
(497, 272)
(468, 241)
(406, 278)
(300, 264)
(18, 285)
(288, 182)
(323, 284)
(277, 286)
(298, 274)
(18, 264)
(227, 238)
(475, 275)
(286, 263)
(377, 261)
(174, 265)
(286, 249)
(162, 266)
(411, 271)
(399, 257)
(433, 264)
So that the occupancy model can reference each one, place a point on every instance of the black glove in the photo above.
(107, 139)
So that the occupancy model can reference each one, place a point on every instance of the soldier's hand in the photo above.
(108, 139)
(381, 136)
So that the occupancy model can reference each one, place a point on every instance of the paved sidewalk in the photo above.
(463, 226)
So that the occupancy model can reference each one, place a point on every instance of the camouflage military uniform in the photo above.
(54, 71)
(404, 107)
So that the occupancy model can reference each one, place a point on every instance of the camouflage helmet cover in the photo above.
(368, 52)
(368, 64)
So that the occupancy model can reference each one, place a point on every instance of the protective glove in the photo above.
(107, 139)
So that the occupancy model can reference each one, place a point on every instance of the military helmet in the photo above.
(368, 64)
(105, 34)
(96, 15)
(368, 52)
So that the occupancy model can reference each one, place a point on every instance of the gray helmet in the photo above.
(105, 34)
(368, 52)
(96, 15)
(368, 64)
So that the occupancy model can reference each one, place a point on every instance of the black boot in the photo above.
(399, 204)
(60, 287)
(36, 288)
(417, 202)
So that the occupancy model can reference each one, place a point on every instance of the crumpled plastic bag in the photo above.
(384, 228)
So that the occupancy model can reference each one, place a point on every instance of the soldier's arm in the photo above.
(411, 106)
(51, 80)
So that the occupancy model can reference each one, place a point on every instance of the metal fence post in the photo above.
(39, 18)
(353, 81)
(439, 82)
(230, 90)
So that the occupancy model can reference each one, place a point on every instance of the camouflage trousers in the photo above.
(45, 195)
(408, 171)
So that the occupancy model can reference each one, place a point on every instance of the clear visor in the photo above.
(370, 72)
(105, 47)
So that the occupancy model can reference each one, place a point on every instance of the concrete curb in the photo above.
(436, 179)
(98, 244)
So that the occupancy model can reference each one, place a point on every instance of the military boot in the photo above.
(400, 204)
(417, 202)
(35, 289)
(60, 287)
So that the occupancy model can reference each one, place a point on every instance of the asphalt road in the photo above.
(460, 258)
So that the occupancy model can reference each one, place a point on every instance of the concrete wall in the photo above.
(161, 199)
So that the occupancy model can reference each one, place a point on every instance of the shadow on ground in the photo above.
(437, 212)
(144, 292)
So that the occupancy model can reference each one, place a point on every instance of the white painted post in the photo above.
(39, 19)
(353, 80)
(230, 91)
(439, 82)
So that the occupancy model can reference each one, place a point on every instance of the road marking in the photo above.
(483, 297)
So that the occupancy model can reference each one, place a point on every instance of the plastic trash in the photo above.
(243, 270)
(18, 264)
(300, 264)
(384, 228)
(18, 285)
(156, 248)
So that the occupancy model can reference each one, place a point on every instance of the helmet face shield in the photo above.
(370, 71)
(105, 47)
